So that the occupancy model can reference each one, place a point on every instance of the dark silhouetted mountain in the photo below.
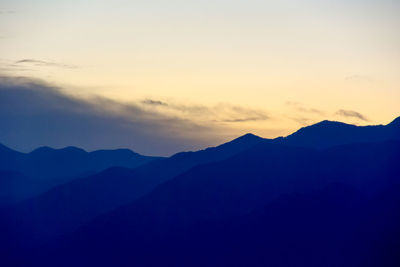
(313, 229)
(334, 226)
(330, 133)
(46, 162)
(46, 167)
(170, 197)
(66, 207)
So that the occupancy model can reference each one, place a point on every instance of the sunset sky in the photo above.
(224, 66)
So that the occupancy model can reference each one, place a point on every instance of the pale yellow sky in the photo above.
(296, 62)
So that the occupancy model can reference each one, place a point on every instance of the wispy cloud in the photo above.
(303, 121)
(246, 119)
(25, 65)
(351, 113)
(235, 113)
(221, 112)
(43, 63)
(299, 107)
(4, 11)
(154, 102)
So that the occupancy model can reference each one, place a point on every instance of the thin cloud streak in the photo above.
(297, 106)
(154, 102)
(351, 113)
(43, 63)
(221, 112)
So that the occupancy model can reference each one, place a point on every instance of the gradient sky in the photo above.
(267, 67)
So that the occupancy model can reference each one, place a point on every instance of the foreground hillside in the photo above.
(271, 205)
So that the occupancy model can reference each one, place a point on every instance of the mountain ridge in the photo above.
(65, 208)
(331, 133)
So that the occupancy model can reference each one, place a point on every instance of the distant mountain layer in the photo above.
(46, 162)
(24, 175)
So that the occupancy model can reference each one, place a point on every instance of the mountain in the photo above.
(233, 179)
(46, 162)
(270, 201)
(24, 175)
(66, 207)
(330, 133)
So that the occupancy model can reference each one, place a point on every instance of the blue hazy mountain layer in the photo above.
(327, 195)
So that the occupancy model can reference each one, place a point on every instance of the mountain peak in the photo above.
(248, 136)
(327, 133)
(326, 123)
(322, 126)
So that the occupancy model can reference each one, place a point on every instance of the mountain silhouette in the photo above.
(124, 214)
(331, 133)
(221, 206)
(45, 167)
(46, 162)
(68, 206)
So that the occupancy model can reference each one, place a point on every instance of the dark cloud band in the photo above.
(33, 113)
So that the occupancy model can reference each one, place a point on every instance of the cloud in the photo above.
(351, 113)
(13, 68)
(31, 65)
(221, 112)
(234, 113)
(247, 119)
(154, 102)
(4, 11)
(42, 63)
(297, 106)
(33, 113)
(303, 121)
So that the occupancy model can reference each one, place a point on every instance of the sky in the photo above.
(198, 72)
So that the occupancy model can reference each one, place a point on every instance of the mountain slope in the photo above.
(165, 222)
(45, 167)
(66, 207)
(15, 187)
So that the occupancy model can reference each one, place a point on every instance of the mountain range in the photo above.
(324, 196)
(27, 174)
